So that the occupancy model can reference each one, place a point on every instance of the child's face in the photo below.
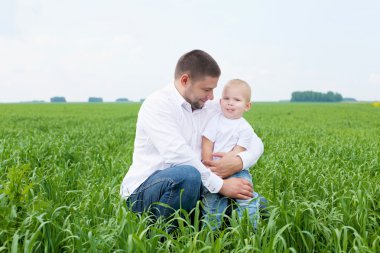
(234, 103)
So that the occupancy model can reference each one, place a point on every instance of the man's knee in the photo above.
(189, 182)
(192, 177)
(187, 185)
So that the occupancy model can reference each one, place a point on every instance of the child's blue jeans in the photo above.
(215, 204)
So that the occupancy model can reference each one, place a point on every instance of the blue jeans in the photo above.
(177, 187)
(215, 205)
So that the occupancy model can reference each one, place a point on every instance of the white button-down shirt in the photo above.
(168, 133)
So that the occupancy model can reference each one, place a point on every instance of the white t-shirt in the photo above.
(227, 133)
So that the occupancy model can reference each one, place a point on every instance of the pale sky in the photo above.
(113, 49)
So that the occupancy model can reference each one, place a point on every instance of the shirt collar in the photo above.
(179, 100)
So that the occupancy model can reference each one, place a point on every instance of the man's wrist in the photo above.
(214, 183)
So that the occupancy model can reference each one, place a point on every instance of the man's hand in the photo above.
(237, 188)
(228, 165)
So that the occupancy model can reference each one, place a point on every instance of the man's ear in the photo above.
(184, 80)
(248, 106)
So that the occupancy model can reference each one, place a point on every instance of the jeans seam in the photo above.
(169, 180)
(138, 190)
(166, 210)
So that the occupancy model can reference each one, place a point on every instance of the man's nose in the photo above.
(210, 96)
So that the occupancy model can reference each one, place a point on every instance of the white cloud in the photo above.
(374, 78)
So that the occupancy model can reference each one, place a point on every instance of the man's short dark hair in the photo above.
(197, 64)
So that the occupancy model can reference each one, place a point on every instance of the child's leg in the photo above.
(248, 205)
(214, 205)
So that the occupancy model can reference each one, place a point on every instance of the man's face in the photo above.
(199, 91)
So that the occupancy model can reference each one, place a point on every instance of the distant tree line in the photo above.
(58, 100)
(349, 100)
(122, 100)
(95, 100)
(90, 100)
(312, 96)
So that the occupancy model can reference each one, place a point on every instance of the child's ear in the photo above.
(248, 106)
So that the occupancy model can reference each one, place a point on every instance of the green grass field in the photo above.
(61, 166)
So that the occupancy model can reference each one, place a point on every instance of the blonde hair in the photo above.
(243, 85)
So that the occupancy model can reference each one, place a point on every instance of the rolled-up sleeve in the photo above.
(253, 153)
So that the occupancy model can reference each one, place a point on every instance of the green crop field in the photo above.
(61, 166)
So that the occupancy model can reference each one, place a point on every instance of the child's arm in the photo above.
(237, 149)
(207, 148)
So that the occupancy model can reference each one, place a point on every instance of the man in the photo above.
(167, 165)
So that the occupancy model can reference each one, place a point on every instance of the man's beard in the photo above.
(197, 105)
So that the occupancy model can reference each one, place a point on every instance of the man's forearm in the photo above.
(252, 154)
